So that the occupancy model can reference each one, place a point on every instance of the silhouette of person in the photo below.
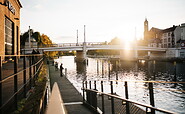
(56, 66)
(61, 70)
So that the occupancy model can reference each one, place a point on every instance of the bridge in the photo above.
(83, 47)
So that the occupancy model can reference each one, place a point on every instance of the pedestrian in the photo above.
(61, 70)
(56, 66)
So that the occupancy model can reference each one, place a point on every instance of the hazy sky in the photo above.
(104, 19)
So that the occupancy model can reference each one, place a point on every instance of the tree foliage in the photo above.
(42, 41)
(115, 41)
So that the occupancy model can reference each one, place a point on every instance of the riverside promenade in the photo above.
(72, 99)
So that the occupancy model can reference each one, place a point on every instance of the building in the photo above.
(168, 39)
(182, 31)
(10, 27)
(152, 36)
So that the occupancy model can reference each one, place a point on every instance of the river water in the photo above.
(169, 96)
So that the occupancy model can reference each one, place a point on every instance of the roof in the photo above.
(155, 29)
(169, 29)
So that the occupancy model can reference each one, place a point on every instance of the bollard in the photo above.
(151, 94)
(66, 72)
(1, 84)
(15, 80)
(126, 95)
(103, 109)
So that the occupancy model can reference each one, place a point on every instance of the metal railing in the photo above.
(116, 103)
(18, 72)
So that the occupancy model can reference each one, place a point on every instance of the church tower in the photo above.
(145, 29)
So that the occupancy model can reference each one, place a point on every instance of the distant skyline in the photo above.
(104, 19)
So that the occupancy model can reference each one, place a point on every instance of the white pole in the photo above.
(84, 34)
(77, 38)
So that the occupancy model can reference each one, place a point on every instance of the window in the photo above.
(9, 37)
(168, 39)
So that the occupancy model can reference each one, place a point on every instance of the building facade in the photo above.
(10, 27)
(182, 31)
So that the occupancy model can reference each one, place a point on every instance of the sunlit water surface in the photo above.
(168, 96)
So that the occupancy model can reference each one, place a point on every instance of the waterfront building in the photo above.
(10, 27)
(168, 37)
(182, 31)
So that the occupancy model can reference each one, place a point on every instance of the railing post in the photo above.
(1, 99)
(86, 84)
(15, 80)
(95, 85)
(24, 75)
(103, 109)
(30, 71)
(116, 72)
(34, 75)
(151, 93)
(126, 96)
(109, 69)
(97, 67)
(102, 68)
(89, 84)
(83, 91)
(112, 99)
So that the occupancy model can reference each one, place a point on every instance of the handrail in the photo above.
(140, 81)
(147, 82)
(19, 89)
(33, 74)
(12, 75)
(131, 101)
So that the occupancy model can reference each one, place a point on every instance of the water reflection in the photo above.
(106, 69)
(81, 70)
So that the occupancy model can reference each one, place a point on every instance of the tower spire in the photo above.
(145, 28)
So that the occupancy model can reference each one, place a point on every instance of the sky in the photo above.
(104, 19)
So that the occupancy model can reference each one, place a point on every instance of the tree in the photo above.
(42, 41)
(115, 41)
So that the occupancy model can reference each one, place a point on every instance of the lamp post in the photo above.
(77, 38)
(84, 35)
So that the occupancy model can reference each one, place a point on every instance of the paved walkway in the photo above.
(71, 97)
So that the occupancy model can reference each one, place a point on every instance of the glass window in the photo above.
(8, 37)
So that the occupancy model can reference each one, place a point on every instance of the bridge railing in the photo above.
(17, 79)
(96, 97)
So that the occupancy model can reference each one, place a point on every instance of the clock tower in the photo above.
(145, 29)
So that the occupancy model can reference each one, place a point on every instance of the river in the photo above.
(169, 96)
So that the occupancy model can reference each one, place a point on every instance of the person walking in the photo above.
(56, 66)
(61, 70)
